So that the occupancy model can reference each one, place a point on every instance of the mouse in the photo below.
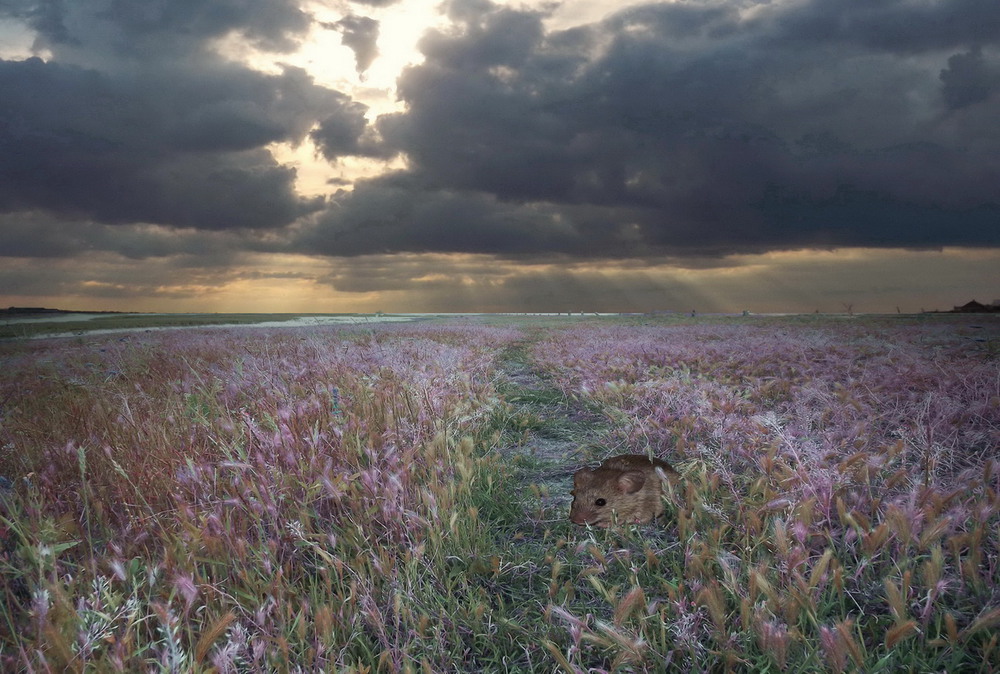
(627, 488)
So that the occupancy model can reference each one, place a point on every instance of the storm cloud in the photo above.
(687, 132)
(151, 29)
(691, 127)
(134, 119)
(360, 34)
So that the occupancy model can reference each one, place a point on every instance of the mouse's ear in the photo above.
(631, 481)
(583, 477)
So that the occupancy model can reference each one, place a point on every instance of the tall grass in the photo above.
(256, 500)
(842, 497)
(243, 501)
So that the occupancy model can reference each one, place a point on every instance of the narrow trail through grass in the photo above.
(575, 590)
(547, 433)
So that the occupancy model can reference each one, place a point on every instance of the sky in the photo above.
(469, 155)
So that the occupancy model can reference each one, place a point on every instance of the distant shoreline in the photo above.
(69, 324)
(45, 312)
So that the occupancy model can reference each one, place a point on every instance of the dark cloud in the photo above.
(135, 120)
(104, 277)
(42, 235)
(148, 29)
(344, 130)
(391, 215)
(688, 128)
(894, 26)
(178, 148)
(970, 79)
(694, 129)
(360, 35)
(272, 24)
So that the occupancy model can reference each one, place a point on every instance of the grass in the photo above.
(841, 504)
(347, 499)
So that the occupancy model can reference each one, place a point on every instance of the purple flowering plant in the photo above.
(366, 498)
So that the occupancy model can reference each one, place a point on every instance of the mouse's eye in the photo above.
(600, 502)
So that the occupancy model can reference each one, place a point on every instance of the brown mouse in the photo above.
(629, 487)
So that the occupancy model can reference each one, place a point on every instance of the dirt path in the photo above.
(549, 433)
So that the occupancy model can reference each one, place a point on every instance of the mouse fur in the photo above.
(627, 488)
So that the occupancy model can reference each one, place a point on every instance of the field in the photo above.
(393, 497)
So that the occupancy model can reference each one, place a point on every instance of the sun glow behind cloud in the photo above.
(15, 41)
(533, 169)
(331, 64)
(793, 281)
(796, 281)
